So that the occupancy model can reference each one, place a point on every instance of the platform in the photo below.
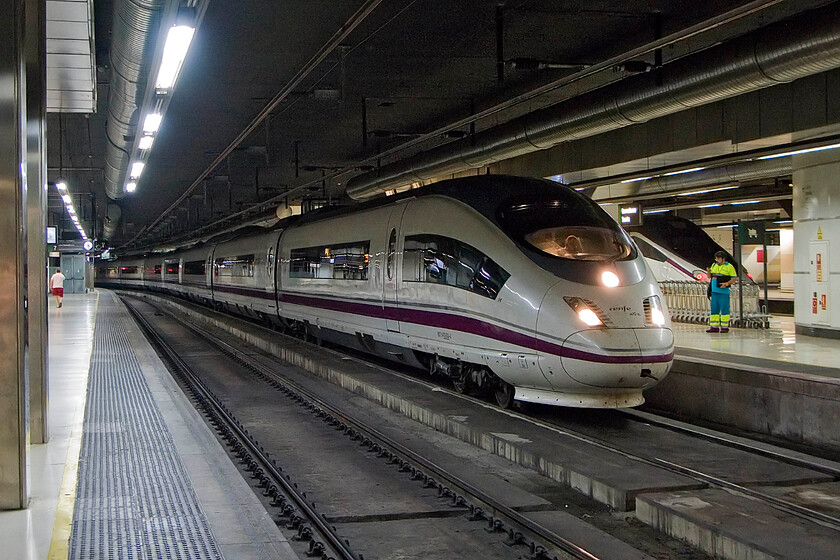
(769, 381)
(130, 469)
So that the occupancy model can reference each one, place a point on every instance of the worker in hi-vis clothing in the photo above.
(722, 276)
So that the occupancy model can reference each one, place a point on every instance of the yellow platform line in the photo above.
(63, 525)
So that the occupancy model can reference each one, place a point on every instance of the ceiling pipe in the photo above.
(136, 22)
(738, 172)
(780, 53)
(113, 213)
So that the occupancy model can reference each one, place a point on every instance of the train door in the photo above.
(391, 270)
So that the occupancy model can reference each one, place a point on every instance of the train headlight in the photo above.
(585, 311)
(654, 312)
(609, 279)
(588, 316)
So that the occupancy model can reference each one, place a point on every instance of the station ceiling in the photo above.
(276, 105)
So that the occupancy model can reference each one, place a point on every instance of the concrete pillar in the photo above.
(36, 216)
(816, 216)
(13, 398)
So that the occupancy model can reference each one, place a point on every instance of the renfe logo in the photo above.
(752, 232)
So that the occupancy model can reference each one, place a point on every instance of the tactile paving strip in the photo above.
(133, 498)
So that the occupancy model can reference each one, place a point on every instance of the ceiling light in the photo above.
(71, 210)
(174, 52)
(745, 202)
(146, 142)
(152, 122)
(637, 179)
(131, 186)
(783, 222)
(655, 211)
(710, 205)
(692, 170)
(66, 198)
(704, 191)
(61, 186)
(137, 169)
(729, 226)
(805, 151)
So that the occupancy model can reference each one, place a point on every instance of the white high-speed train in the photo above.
(678, 249)
(519, 287)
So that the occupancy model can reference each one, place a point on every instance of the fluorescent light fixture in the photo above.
(655, 211)
(61, 186)
(71, 210)
(727, 227)
(745, 202)
(805, 151)
(137, 169)
(131, 186)
(637, 179)
(783, 222)
(692, 170)
(710, 205)
(704, 191)
(152, 122)
(174, 52)
(66, 198)
(146, 142)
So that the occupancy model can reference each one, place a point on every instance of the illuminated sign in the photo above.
(51, 235)
(631, 214)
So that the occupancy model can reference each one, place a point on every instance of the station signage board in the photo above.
(752, 233)
(630, 214)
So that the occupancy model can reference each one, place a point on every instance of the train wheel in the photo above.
(461, 381)
(503, 391)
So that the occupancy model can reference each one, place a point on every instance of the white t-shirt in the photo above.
(57, 280)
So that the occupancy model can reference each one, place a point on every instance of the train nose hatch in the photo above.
(614, 357)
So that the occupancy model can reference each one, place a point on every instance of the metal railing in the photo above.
(688, 303)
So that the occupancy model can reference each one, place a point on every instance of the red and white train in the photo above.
(521, 287)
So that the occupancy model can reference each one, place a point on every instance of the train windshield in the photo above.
(570, 228)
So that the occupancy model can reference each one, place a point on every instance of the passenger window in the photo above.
(392, 250)
(436, 259)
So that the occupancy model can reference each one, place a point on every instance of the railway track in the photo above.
(500, 521)
(622, 442)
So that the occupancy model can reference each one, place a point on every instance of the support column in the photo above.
(14, 493)
(816, 234)
(35, 42)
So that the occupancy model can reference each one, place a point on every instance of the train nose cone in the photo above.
(618, 358)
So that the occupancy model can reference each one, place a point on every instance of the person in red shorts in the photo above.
(57, 286)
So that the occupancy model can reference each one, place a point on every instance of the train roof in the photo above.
(484, 193)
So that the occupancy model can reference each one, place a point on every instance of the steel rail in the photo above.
(549, 536)
(325, 529)
(785, 456)
(778, 503)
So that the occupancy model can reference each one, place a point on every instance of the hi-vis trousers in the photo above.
(720, 310)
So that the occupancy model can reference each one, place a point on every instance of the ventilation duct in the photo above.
(135, 27)
(112, 220)
(716, 176)
(780, 53)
